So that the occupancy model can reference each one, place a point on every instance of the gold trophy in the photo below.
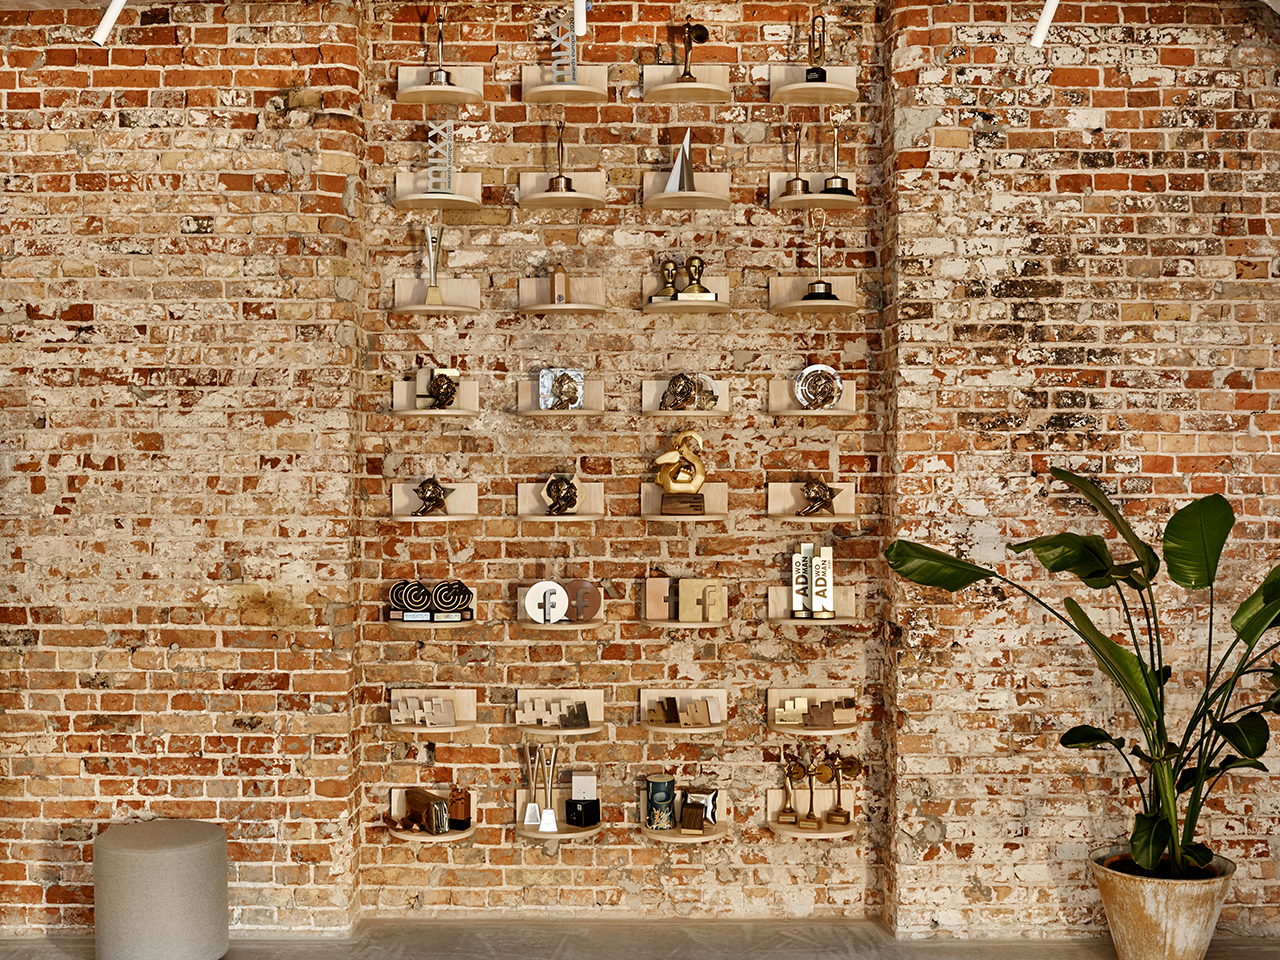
(668, 291)
(819, 289)
(823, 773)
(434, 243)
(695, 290)
(693, 33)
(792, 773)
(820, 498)
(817, 51)
(681, 475)
(797, 185)
(440, 77)
(836, 183)
(560, 183)
(433, 495)
(850, 767)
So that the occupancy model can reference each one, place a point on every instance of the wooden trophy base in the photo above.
(788, 816)
(841, 817)
(683, 504)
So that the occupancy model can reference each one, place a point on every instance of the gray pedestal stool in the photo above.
(160, 891)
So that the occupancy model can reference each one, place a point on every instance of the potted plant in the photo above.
(1163, 891)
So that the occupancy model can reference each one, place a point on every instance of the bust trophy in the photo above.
(695, 290)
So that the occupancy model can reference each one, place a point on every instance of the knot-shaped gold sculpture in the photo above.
(681, 469)
(565, 390)
(818, 387)
(563, 496)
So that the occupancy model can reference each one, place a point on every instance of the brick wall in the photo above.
(1062, 259)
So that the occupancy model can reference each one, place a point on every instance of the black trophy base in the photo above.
(820, 290)
(582, 813)
(837, 185)
(459, 824)
(815, 75)
(683, 505)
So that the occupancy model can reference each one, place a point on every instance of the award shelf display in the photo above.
(432, 711)
(782, 807)
(788, 295)
(815, 83)
(550, 605)
(812, 711)
(705, 83)
(540, 191)
(562, 497)
(431, 500)
(809, 191)
(564, 81)
(684, 711)
(682, 188)
(685, 395)
(560, 713)
(560, 392)
(425, 817)
(414, 296)
(813, 598)
(421, 190)
(560, 293)
(682, 491)
(817, 392)
(688, 815)
(447, 604)
(699, 294)
(813, 501)
(436, 84)
(563, 814)
(848, 608)
(436, 392)
(687, 602)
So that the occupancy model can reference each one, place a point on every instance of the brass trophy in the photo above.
(797, 185)
(792, 773)
(819, 497)
(688, 392)
(681, 475)
(823, 773)
(532, 812)
(835, 183)
(849, 767)
(819, 289)
(693, 33)
(560, 494)
(668, 291)
(433, 496)
(440, 77)
(695, 290)
(560, 183)
(817, 51)
(434, 244)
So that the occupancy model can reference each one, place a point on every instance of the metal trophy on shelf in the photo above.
(548, 823)
(560, 183)
(823, 773)
(835, 183)
(681, 179)
(434, 244)
(686, 391)
(440, 77)
(668, 291)
(695, 290)
(818, 387)
(797, 185)
(681, 475)
(819, 497)
(817, 51)
(532, 812)
(433, 496)
(693, 33)
(850, 767)
(819, 289)
(792, 773)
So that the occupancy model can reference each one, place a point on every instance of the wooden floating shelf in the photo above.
(775, 697)
(413, 86)
(464, 709)
(815, 198)
(782, 401)
(564, 832)
(588, 192)
(711, 83)
(649, 697)
(529, 505)
(592, 402)
(823, 800)
(397, 809)
(461, 296)
(786, 499)
(848, 601)
(651, 392)
(711, 192)
(462, 504)
(538, 85)
(716, 831)
(717, 285)
(685, 624)
(413, 193)
(787, 85)
(588, 294)
(594, 699)
(716, 503)
(786, 295)
(404, 400)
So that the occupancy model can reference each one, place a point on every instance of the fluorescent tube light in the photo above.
(1045, 22)
(108, 21)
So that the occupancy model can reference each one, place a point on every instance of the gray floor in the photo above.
(634, 940)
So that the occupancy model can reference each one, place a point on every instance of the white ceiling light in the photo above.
(108, 21)
(1045, 22)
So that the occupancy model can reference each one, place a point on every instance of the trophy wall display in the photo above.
(820, 497)
(693, 33)
(681, 475)
(561, 388)
(433, 497)
(440, 77)
(812, 591)
(820, 289)
(818, 387)
(817, 50)
(835, 183)
(687, 391)
(436, 389)
(449, 601)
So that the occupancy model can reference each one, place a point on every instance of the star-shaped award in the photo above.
(821, 498)
(432, 495)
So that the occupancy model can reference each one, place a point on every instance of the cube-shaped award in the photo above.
(702, 601)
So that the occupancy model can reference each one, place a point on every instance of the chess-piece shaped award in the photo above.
(440, 77)
(693, 33)
(687, 392)
(797, 185)
(847, 767)
(432, 495)
(681, 178)
(681, 474)
(695, 290)
(562, 494)
(561, 388)
(548, 823)
(819, 289)
(817, 51)
(792, 774)
(547, 602)
(559, 286)
(836, 183)
(434, 243)
(819, 496)
(668, 291)
(560, 183)
(818, 387)
(532, 812)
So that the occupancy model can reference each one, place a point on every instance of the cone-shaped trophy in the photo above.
(681, 179)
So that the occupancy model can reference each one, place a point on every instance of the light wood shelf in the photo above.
(814, 199)
(412, 85)
(564, 832)
(715, 503)
(711, 83)
(774, 697)
(461, 296)
(594, 699)
(824, 798)
(462, 504)
(529, 505)
(396, 805)
(786, 499)
(464, 709)
(717, 285)
(783, 403)
(588, 191)
(787, 85)
(538, 85)
(711, 192)
(587, 292)
(649, 697)
(592, 400)
(786, 295)
(848, 603)
(413, 193)
(466, 403)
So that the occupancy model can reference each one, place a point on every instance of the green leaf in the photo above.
(1259, 611)
(1085, 737)
(1271, 704)
(1248, 735)
(1193, 541)
(1149, 839)
(1141, 754)
(1190, 776)
(1085, 557)
(933, 568)
(1274, 678)
(1129, 673)
(1237, 763)
(1086, 488)
(1198, 853)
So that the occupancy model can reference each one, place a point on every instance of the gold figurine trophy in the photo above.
(693, 33)
(819, 289)
(695, 290)
(835, 183)
(844, 767)
(681, 475)
(560, 183)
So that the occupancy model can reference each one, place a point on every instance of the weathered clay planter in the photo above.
(1160, 919)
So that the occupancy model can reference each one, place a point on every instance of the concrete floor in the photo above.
(635, 940)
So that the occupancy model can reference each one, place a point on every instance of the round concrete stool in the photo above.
(160, 891)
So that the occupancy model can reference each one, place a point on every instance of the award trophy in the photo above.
(819, 289)
(836, 183)
(817, 51)
(440, 77)
(695, 290)
(797, 185)
(818, 387)
(820, 498)
(792, 773)
(668, 291)
(560, 388)
(560, 183)
(433, 497)
(849, 767)
(681, 474)
(434, 243)
(561, 495)
(823, 773)
(687, 392)
(693, 33)
(681, 179)
(436, 389)
(532, 813)
(548, 822)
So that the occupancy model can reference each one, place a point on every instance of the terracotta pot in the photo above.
(1159, 919)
